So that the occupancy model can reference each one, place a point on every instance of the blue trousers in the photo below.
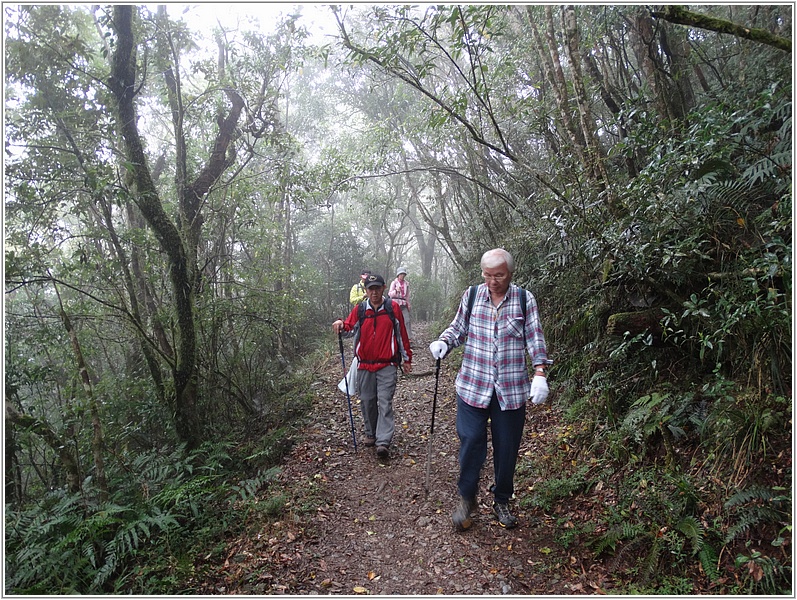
(506, 428)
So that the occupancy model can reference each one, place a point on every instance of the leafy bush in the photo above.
(549, 491)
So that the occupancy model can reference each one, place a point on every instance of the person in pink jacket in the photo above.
(400, 293)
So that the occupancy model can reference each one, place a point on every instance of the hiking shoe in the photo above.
(382, 452)
(461, 516)
(368, 441)
(505, 518)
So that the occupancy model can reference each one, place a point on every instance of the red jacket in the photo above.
(377, 344)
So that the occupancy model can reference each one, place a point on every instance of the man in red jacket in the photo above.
(380, 346)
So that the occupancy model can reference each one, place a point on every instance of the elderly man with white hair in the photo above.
(498, 325)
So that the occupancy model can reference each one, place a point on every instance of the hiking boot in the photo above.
(369, 441)
(461, 516)
(505, 518)
(382, 452)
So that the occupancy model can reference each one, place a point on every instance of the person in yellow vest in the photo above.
(357, 293)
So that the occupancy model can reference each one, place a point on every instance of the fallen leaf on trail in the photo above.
(358, 589)
(546, 550)
(372, 575)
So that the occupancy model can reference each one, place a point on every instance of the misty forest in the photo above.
(188, 203)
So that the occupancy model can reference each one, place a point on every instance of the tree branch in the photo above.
(682, 16)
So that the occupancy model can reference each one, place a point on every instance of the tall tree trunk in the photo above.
(97, 442)
(105, 219)
(672, 99)
(425, 247)
(594, 154)
(122, 83)
(180, 244)
(13, 469)
(552, 67)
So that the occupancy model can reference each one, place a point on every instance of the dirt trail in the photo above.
(374, 529)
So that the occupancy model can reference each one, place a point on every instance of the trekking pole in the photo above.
(431, 428)
(348, 396)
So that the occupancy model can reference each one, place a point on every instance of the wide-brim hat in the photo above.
(401, 270)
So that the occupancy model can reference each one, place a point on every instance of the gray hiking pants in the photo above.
(405, 312)
(376, 389)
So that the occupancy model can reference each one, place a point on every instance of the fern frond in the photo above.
(693, 530)
(750, 517)
(624, 531)
(708, 559)
(750, 494)
(650, 562)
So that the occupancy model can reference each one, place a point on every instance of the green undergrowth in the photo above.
(677, 491)
(167, 508)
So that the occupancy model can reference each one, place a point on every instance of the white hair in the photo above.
(497, 257)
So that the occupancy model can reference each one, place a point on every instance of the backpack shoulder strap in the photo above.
(360, 312)
(471, 300)
(390, 309)
(523, 310)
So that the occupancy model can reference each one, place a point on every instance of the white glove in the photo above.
(539, 390)
(438, 349)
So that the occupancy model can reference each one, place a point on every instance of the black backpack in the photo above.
(389, 309)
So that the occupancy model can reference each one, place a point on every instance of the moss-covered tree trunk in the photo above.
(123, 85)
(683, 16)
(179, 241)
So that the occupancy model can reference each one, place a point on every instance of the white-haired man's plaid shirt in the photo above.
(494, 356)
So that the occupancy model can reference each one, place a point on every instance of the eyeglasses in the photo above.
(500, 277)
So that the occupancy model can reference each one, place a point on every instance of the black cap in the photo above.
(374, 281)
